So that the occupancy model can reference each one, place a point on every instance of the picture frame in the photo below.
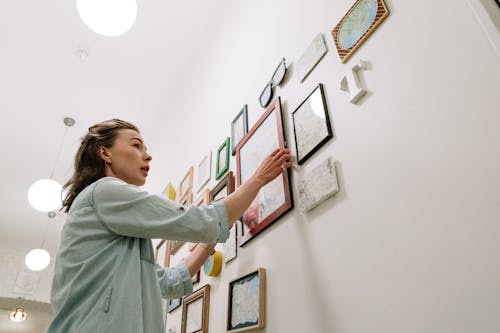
(203, 171)
(230, 246)
(186, 184)
(162, 258)
(246, 308)
(239, 128)
(222, 162)
(275, 198)
(173, 304)
(195, 311)
(357, 25)
(311, 57)
(311, 125)
(223, 188)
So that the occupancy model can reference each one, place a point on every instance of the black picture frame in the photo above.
(311, 125)
(239, 128)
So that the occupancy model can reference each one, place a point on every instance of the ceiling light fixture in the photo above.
(108, 17)
(45, 195)
(18, 315)
(38, 259)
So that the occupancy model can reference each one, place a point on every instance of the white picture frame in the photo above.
(203, 171)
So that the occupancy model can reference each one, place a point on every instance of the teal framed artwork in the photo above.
(357, 25)
(222, 162)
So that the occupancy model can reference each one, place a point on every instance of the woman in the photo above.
(105, 278)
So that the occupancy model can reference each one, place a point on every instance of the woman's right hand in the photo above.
(272, 166)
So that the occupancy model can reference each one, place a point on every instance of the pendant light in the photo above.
(108, 17)
(38, 259)
(45, 195)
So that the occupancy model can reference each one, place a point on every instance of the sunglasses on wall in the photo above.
(278, 75)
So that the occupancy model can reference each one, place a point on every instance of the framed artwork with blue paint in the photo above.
(247, 302)
(357, 25)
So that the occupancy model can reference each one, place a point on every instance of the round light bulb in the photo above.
(108, 17)
(45, 195)
(37, 259)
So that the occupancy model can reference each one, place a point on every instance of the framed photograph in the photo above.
(223, 188)
(310, 58)
(239, 128)
(274, 199)
(204, 170)
(173, 304)
(357, 25)
(169, 192)
(222, 163)
(186, 184)
(195, 310)
(247, 302)
(311, 125)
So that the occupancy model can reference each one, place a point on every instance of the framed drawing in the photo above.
(274, 199)
(357, 25)
(310, 58)
(247, 302)
(195, 309)
(311, 125)
(173, 304)
(239, 127)
(186, 184)
(229, 248)
(223, 188)
(169, 192)
(203, 172)
(317, 185)
(222, 163)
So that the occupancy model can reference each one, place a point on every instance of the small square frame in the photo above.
(173, 304)
(258, 276)
(204, 294)
(311, 125)
(186, 184)
(239, 128)
(203, 170)
(222, 152)
(227, 183)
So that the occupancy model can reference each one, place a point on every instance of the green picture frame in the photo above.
(222, 160)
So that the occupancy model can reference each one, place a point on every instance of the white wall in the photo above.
(411, 242)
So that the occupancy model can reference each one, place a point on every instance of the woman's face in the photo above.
(128, 158)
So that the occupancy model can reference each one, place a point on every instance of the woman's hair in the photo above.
(89, 166)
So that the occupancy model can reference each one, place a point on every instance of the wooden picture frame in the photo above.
(247, 301)
(222, 162)
(186, 184)
(203, 171)
(311, 125)
(162, 245)
(357, 25)
(275, 198)
(239, 128)
(195, 311)
(223, 188)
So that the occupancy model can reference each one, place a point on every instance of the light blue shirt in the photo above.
(105, 278)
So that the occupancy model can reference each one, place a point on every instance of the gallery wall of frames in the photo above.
(211, 179)
(294, 102)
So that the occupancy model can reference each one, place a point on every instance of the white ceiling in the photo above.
(43, 79)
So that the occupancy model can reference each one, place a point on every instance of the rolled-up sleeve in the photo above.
(174, 282)
(128, 210)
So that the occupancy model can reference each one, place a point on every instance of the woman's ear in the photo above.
(104, 154)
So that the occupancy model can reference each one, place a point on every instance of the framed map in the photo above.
(357, 25)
